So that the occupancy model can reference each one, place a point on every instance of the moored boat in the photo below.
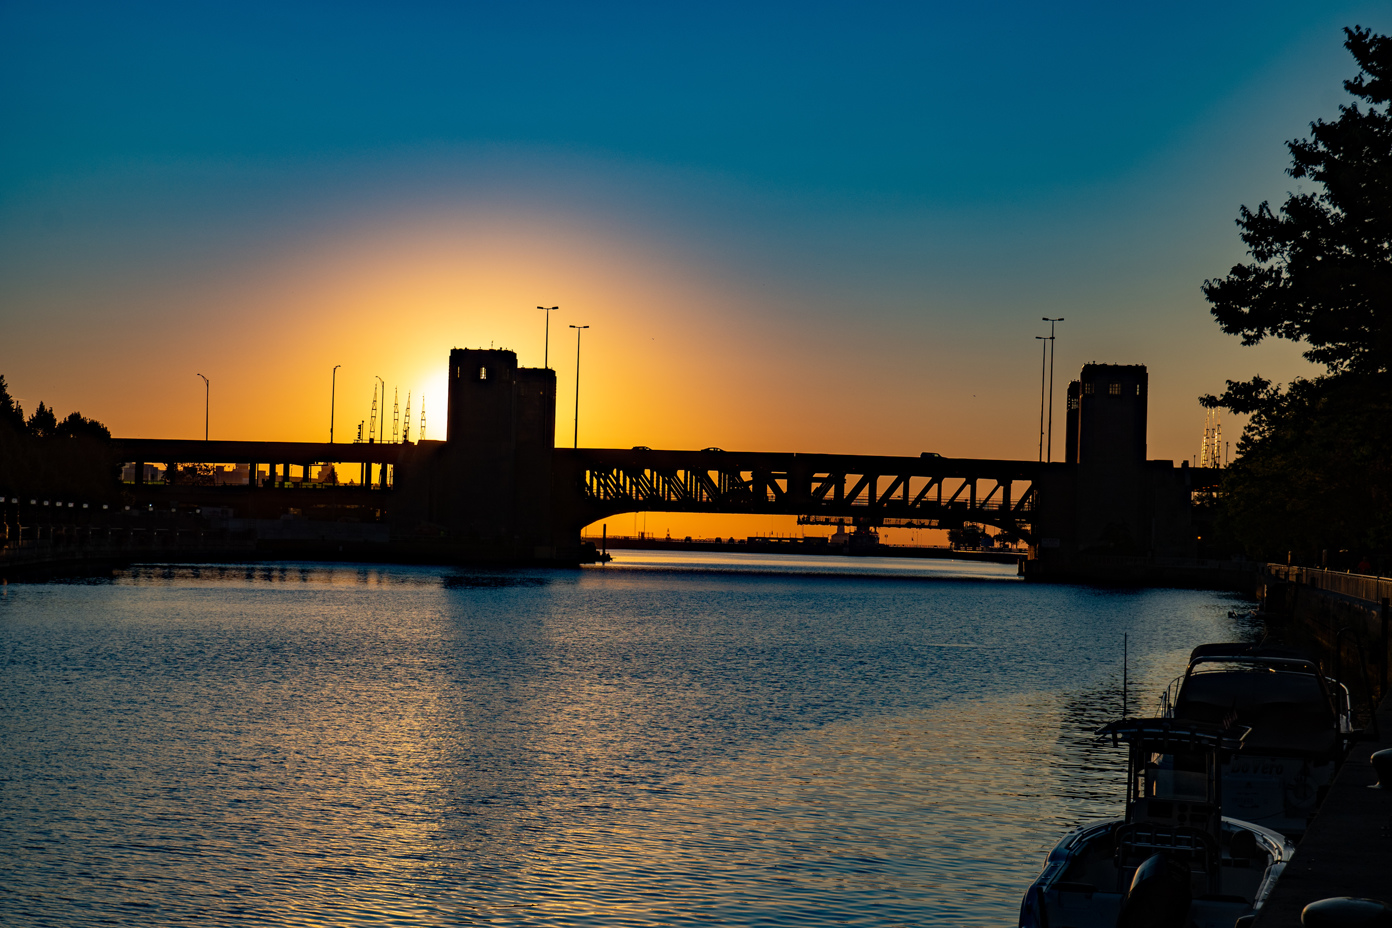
(1173, 859)
(1301, 727)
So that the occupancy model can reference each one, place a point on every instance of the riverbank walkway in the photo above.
(1348, 848)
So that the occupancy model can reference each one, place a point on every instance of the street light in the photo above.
(578, 329)
(382, 475)
(1051, 383)
(546, 350)
(333, 383)
(1043, 364)
(373, 427)
(207, 389)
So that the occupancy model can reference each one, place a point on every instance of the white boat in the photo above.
(1301, 728)
(1173, 860)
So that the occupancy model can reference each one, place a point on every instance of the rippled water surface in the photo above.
(670, 740)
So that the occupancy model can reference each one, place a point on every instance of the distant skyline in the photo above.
(790, 227)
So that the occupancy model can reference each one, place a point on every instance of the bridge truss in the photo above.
(921, 492)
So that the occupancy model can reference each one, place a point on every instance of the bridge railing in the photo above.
(1368, 588)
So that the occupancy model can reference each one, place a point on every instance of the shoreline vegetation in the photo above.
(1312, 480)
(47, 455)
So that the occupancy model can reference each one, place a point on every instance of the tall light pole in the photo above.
(207, 389)
(1043, 368)
(370, 437)
(333, 384)
(383, 474)
(578, 329)
(1051, 384)
(546, 350)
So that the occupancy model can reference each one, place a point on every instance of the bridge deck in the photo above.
(924, 491)
(192, 451)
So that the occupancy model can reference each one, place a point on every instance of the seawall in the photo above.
(1341, 618)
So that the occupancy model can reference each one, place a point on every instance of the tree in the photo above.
(45, 455)
(43, 423)
(1323, 268)
(11, 413)
(77, 425)
(1313, 467)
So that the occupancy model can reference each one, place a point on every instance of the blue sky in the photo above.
(886, 197)
(904, 101)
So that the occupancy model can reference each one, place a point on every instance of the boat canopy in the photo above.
(1175, 735)
(1239, 652)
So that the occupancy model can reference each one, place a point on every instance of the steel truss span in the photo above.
(928, 492)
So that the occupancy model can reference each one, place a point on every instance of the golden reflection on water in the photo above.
(341, 745)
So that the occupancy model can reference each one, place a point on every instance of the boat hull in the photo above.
(1082, 887)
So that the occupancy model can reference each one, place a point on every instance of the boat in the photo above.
(1301, 725)
(1173, 860)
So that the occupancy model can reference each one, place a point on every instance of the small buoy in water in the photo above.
(1347, 912)
(1382, 766)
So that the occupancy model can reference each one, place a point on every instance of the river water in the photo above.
(673, 739)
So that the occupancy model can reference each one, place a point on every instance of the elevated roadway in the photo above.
(298, 453)
(928, 492)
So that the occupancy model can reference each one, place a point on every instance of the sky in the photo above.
(790, 227)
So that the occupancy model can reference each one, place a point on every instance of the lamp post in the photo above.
(207, 389)
(546, 350)
(372, 426)
(383, 474)
(1051, 385)
(1043, 366)
(333, 383)
(578, 329)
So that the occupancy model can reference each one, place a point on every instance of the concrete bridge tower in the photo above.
(500, 434)
(1107, 499)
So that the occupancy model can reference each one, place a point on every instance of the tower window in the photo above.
(1114, 389)
(1138, 389)
(1087, 389)
(483, 373)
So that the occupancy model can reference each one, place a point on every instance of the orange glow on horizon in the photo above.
(680, 353)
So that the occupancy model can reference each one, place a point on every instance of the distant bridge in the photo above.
(909, 492)
(299, 453)
(589, 484)
(498, 488)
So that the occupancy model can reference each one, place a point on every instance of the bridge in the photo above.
(907, 492)
(498, 489)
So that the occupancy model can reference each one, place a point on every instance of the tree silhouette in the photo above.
(45, 454)
(11, 413)
(1323, 268)
(43, 423)
(1313, 471)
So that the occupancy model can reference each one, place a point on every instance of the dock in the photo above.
(1347, 850)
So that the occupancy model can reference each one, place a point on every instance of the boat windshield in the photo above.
(1287, 712)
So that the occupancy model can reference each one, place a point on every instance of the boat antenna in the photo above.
(1125, 660)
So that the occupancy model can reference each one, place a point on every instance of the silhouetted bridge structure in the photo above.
(910, 492)
(498, 489)
(595, 483)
